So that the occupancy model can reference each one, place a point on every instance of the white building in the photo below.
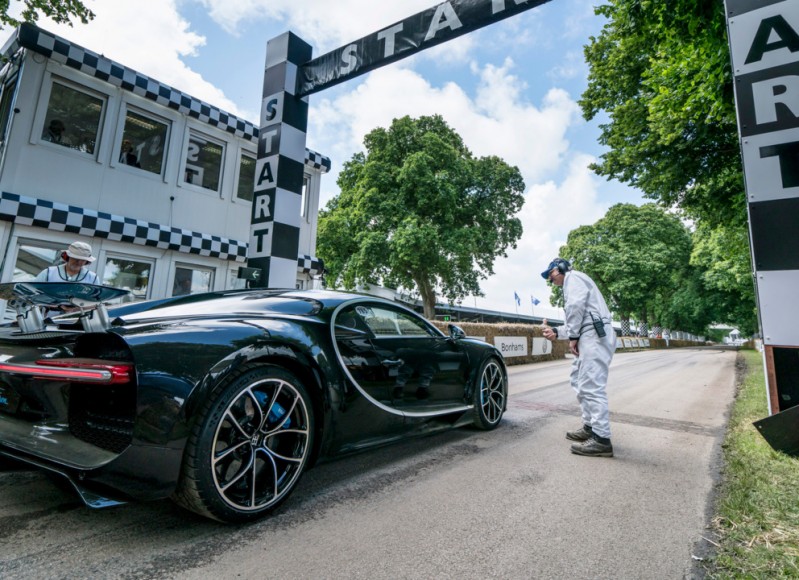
(158, 182)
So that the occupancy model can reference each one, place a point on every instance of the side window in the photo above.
(32, 258)
(385, 322)
(144, 141)
(9, 90)
(246, 177)
(204, 162)
(191, 280)
(233, 280)
(73, 118)
(130, 274)
(304, 202)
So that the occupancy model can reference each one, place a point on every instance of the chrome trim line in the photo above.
(371, 399)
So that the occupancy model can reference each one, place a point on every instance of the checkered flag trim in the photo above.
(310, 265)
(88, 62)
(60, 217)
(317, 161)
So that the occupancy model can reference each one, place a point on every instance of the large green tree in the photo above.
(722, 256)
(661, 78)
(661, 73)
(634, 254)
(61, 11)
(418, 211)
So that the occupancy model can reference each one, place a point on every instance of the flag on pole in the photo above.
(518, 300)
(534, 300)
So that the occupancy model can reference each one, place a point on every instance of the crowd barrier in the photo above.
(525, 343)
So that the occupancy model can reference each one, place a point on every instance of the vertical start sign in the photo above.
(764, 44)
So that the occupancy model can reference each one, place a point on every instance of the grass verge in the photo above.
(757, 511)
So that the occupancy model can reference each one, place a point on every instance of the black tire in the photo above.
(249, 447)
(490, 395)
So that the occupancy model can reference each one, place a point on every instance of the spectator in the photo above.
(76, 257)
(127, 156)
(55, 133)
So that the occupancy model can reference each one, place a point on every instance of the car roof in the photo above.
(254, 302)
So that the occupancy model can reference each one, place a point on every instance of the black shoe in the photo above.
(422, 393)
(582, 434)
(593, 448)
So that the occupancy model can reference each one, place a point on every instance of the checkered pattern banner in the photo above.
(74, 56)
(310, 265)
(41, 213)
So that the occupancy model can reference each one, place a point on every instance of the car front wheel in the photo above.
(490, 395)
(249, 447)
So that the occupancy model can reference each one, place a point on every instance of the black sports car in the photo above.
(223, 400)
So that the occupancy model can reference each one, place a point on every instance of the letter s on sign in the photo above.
(271, 109)
(349, 58)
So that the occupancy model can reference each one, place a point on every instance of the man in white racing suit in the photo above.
(592, 341)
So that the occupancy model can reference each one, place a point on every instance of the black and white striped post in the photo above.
(275, 220)
(764, 43)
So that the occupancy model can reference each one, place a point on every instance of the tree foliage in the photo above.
(661, 72)
(418, 211)
(634, 254)
(723, 257)
(61, 11)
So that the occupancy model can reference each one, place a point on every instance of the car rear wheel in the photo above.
(490, 395)
(249, 447)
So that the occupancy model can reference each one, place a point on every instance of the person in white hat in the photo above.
(76, 257)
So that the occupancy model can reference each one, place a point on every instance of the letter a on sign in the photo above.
(773, 34)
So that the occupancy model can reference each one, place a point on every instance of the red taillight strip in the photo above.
(73, 370)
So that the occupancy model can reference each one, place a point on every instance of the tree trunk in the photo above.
(428, 299)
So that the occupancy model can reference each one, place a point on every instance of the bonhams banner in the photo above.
(444, 22)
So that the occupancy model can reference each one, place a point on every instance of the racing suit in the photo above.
(584, 305)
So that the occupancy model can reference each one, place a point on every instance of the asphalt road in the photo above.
(511, 503)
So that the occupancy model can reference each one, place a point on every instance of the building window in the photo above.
(204, 162)
(304, 201)
(9, 91)
(191, 280)
(73, 118)
(234, 282)
(33, 258)
(246, 177)
(133, 275)
(143, 142)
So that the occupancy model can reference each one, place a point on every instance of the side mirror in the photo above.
(456, 332)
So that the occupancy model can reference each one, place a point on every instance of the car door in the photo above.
(400, 360)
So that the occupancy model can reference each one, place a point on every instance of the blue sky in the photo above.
(510, 89)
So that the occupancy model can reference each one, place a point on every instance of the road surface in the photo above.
(510, 503)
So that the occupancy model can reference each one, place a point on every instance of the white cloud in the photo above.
(149, 36)
(326, 25)
(550, 212)
(497, 121)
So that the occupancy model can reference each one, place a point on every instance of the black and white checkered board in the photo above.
(29, 211)
(60, 217)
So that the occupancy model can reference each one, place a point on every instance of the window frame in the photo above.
(237, 181)
(43, 107)
(190, 266)
(126, 106)
(105, 256)
(181, 177)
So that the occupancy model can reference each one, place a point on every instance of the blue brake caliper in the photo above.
(276, 413)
